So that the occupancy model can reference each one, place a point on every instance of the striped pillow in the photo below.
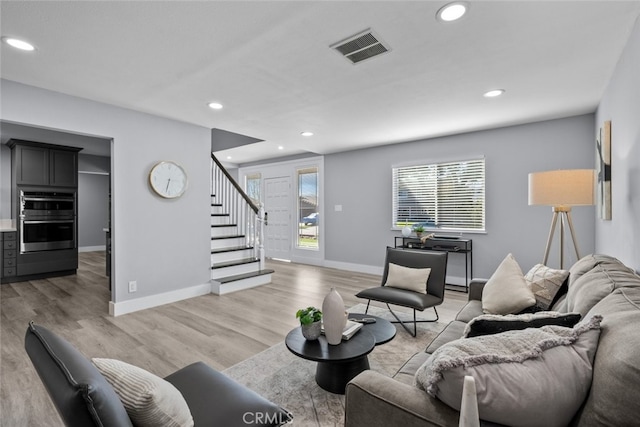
(148, 399)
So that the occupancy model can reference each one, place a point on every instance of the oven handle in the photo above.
(53, 221)
(47, 199)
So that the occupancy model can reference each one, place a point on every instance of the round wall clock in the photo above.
(168, 179)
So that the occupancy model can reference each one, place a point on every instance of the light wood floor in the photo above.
(219, 330)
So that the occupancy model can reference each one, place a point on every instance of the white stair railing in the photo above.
(248, 219)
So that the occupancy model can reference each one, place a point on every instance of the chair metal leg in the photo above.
(415, 322)
(367, 309)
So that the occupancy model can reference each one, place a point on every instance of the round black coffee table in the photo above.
(382, 330)
(339, 364)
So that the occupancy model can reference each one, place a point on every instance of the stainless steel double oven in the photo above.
(47, 220)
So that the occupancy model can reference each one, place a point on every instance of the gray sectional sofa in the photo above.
(597, 284)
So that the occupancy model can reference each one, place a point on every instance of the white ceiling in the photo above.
(270, 64)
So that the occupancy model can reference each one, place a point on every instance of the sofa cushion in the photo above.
(506, 290)
(471, 310)
(406, 373)
(411, 279)
(488, 324)
(453, 331)
(149, 400)
(606, 262)
(582, 266)
(532, 377)
(82, 396)
(613, 398)
(588, 289)
(545, 283)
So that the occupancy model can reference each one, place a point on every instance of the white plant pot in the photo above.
(312, 331)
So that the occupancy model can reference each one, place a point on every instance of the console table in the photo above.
(443, 244)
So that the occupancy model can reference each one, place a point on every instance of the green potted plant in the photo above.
(419, 229)
(310, 322)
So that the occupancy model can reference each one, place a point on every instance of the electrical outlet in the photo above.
(133, 286)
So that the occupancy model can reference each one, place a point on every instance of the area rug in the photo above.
(289, 381)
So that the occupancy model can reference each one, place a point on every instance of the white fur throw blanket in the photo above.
(506, 347)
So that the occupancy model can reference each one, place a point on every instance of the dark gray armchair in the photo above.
(434, 286)
(84, 398)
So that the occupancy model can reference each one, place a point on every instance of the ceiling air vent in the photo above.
(362, 46)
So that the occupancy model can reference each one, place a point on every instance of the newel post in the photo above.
(262, 218)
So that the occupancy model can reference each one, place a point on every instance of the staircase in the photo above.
(237, 253)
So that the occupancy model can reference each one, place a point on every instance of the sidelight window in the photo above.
(253, 187)
(309, 221)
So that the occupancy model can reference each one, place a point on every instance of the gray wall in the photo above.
(158, 242)
(93, 200)
(90, 163)
(620, 237)
(360, 181)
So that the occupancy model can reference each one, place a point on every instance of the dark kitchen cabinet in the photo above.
(40, 169)
(8, 251)
(36, 163)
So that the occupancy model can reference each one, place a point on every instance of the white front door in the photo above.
(277, 204)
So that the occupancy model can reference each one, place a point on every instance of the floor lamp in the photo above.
(562, 189)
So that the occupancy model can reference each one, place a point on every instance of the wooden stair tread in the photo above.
(230, 249)
(234, 263)
(229, 236)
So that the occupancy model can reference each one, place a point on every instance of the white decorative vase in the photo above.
(333, 317)
(469, 415)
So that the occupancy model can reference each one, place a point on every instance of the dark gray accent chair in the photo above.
(83, 397)
(436, 261)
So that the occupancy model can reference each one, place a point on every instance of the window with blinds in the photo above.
(446, 196)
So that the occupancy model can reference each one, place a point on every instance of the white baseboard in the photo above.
(142, 303)
(92, 248)
(307, 261)
(358, 268)
(130, 306)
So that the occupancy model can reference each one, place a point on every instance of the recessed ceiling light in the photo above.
(307, 133)
(280, 147)
(493, 93)
(452, 11)
(215, 105)
(228, 157)
(18, 44)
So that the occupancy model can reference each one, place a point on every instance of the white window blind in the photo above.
(447, 196)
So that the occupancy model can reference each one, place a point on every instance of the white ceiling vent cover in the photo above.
(362, 46)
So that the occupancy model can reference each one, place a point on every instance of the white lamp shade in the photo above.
(572, 187)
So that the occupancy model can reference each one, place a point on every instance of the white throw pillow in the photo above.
(532, 377)
(149, 400)
(545, 283)
(411, 279)
(506, 291)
